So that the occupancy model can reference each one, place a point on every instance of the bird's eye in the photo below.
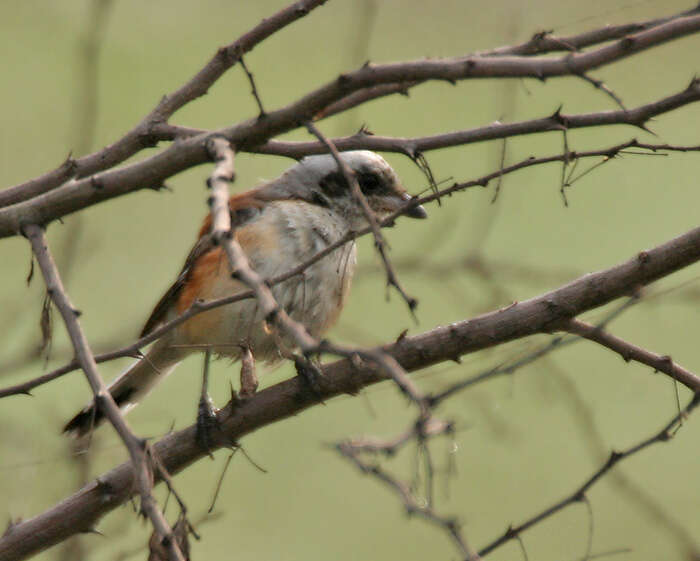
(369, 183)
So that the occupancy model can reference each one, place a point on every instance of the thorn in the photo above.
(645, 128)
(364, 130)
(614, 458)
(558, 117)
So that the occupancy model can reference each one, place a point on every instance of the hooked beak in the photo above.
(414, 212)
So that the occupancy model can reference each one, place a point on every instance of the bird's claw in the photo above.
(207, 422)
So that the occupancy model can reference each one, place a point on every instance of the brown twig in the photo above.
(629, 352)
(253, 89)
(136, 447)
(664, 435)
(379, 242)
(152, 172)
(546, 42)
(636, 116)
(133, 350)
(178, 450)
(139, 137)
(412, 506)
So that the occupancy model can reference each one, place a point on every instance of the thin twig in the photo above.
(178, 450)
(197, 307)
(379, 242)
(664, 435)
(135, 446)
(253, 89)
(629, 352)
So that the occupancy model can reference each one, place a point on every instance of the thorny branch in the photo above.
(272, 312)
(628, 352)
(579, 495)
(140, 136)
(133, 350)
(53, 201)
(78, 184)
(379, 241)
(137, 448)
(556, 122)
(179, 449)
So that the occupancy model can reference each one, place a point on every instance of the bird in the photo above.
(278, 224)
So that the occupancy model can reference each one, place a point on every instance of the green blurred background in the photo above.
(525, 441)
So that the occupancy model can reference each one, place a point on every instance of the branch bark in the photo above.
(548, 312)
(152, 172)
(139, 465)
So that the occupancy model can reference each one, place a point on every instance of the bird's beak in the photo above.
(414, 212)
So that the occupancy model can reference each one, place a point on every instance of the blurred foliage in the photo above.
(524, 441)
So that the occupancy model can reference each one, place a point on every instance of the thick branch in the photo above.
(151, 172)
(198, 307)
(140, 136)
(178, 450)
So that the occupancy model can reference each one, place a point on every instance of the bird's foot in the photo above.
(311, 376)
(207, 424)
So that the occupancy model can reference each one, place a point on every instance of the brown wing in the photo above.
(203, 246)
(243, 207)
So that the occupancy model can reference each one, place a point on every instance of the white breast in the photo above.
(295, 231)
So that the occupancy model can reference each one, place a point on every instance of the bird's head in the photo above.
(318, 179)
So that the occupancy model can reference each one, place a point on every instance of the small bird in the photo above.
(279, 225)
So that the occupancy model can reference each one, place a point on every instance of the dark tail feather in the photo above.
(130, 387)
(92, 416)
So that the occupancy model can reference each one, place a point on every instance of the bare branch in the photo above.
(413, 507)
(545, 42)
(133, 350)
(629, 352)
(379, 242)
(636, 117)
(137, 448)
(151, 172)
(664, 435)
(139, 137)
(178, 450)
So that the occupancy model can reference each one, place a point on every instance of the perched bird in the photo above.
(278, 224)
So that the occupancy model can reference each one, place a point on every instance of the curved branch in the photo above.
(546, 42)
(151, 172)
(545, 313)
(133, 349)
(556, 122)
(629, 351)
(140, 136)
